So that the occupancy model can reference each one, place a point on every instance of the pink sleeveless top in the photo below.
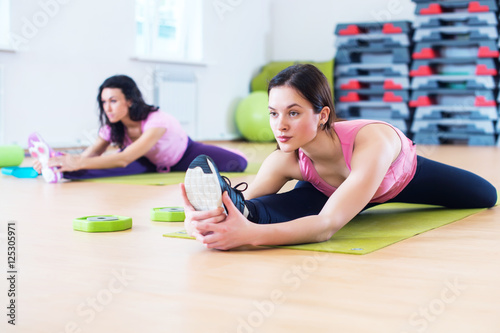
(398, 176)
(169, 149)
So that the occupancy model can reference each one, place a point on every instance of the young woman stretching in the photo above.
(343, 167)
(149, 140)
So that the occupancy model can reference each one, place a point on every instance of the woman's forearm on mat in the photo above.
(118, 160)
(97, 149)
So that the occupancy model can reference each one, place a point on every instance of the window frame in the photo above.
(187, 46)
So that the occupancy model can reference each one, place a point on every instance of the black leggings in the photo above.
(434, 183)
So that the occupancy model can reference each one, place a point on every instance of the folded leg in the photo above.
(436, 183)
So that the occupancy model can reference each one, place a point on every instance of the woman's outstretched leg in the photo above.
(303, 200)
(142, 165)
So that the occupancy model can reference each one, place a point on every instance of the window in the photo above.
(169, 29)
(4, 23)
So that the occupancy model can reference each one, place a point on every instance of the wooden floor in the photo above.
(445, 280)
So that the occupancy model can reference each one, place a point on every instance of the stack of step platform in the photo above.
(454, 72)
(372, 71)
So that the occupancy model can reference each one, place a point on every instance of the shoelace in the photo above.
(235, 188)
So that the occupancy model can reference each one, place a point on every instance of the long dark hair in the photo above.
(312, 84)
(139, 110)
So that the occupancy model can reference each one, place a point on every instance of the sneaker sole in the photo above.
(202, 187)
(50, 175)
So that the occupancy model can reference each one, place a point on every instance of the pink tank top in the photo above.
(398, 176)
(169, 149)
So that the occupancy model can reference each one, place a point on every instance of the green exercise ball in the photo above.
(11, 155)
(252, 118)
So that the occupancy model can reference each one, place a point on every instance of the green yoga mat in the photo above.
(379, 227)
(168, 178)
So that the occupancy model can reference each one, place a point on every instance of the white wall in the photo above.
(304, 30)
(51, 83)
(236, 46)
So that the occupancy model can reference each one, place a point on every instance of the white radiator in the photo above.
(176, 94)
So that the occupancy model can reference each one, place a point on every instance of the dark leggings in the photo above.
(226, 161)
(434, 183)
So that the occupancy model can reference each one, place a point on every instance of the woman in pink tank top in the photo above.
(149, 140)
(343, 167)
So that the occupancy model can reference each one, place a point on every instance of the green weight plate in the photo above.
(102, 223)
(168, 214)
(102, 218)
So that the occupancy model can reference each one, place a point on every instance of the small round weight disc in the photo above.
(168, 214)
(171, 209)
(101, 218)
(102, 223)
